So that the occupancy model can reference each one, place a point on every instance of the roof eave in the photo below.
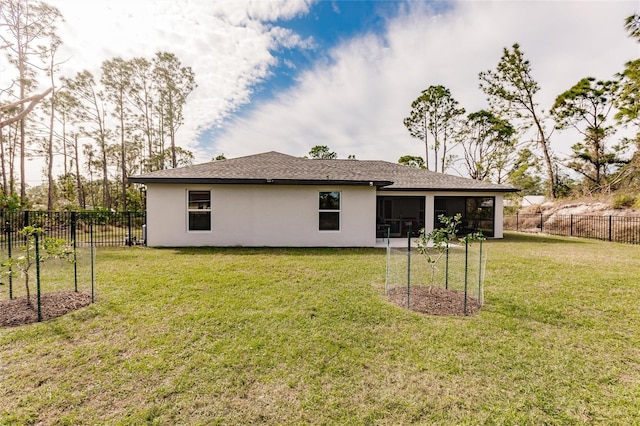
(192, 181)
(432, 189)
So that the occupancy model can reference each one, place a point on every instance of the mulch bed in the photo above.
(16, 312)
(434, 300)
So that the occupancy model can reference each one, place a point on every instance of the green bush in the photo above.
(508, 210)
(624, 201)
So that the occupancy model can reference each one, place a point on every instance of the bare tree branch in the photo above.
(33, 101)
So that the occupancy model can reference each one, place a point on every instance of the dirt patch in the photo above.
(17, 312)
(434, 301)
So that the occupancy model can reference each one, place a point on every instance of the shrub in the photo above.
(623, 201)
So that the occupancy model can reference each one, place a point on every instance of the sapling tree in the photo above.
(48, 249)
(435, 244)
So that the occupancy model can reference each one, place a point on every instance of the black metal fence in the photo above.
(109, 228)
(621, 229)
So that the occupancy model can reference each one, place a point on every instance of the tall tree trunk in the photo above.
(81, 201)
(426, 145)
(174, 159)
(5, 188)
(22, 65)
(64, 145)
(22, 81)
(172, 133)
(23, 175)
(436, 144)
(92, 189)
(444, 152)
(50, 183)
(50, 192)
(106, 198)
(13, 142)
(544, 144)
(123, 164)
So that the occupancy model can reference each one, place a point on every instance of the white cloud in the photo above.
(241, 12)
(226, 44)
(356, 104)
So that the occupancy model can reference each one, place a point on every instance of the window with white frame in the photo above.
(199, 210)
(329, 211)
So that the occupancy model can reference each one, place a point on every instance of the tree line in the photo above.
(101, 128)
(511, 141)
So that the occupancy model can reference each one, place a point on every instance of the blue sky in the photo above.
(286, 75)
(327, 24)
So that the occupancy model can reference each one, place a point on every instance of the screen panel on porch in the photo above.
(400, 214)
(478, 213)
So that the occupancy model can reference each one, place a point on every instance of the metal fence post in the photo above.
(408, 267)
(75, 254)
(480, 275)
(92, 254)
(466, 270)
(610, 226)
(38, 276)
(446, 269)
(386, 277)
(571, 227)
(129, 239)
(9, 243)
(517, 221)
(25, 223)
(541, 222)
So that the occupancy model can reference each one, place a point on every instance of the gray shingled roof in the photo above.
(276, 168)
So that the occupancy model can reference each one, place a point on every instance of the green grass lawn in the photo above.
(305, 336)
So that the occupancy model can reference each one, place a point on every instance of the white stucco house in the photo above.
(278, 200)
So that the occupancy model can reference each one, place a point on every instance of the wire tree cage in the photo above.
(441, 280)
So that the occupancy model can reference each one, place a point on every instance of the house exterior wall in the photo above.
(278, 215)
(261, 215)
